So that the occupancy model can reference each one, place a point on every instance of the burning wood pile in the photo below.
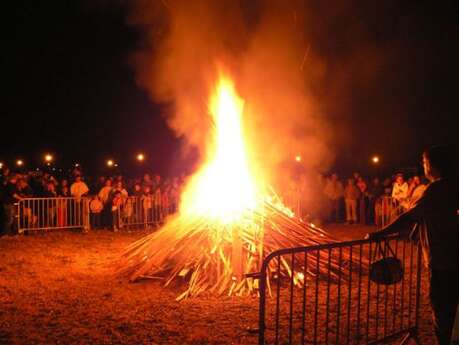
(227, 223)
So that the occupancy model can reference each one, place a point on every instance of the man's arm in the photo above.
(85, 189)
(400, 224)
(17, 196)
(394, 191)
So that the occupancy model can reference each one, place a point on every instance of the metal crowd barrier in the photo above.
(138, 211)
(389, 210)
(326, 296)
(67, 212)
(52, 213)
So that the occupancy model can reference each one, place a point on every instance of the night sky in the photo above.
(70, 88)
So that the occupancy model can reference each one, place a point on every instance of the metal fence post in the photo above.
(262, 285)
(86, 215)
(17, 215)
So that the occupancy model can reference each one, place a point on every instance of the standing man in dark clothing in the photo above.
(10, 197)
(436, 214)
(2, 210)
(4, 176)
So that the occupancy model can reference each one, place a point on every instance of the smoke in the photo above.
(263, 44)
(177, 63)
(279, 71)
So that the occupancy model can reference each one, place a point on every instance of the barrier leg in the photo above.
(413, 334)
(85, 215)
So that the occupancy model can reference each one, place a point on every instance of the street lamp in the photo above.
(19, 162)
(1, 165)
(140, 157)
(110, 163)
(48, 158)
(298, 158)
(375, 159)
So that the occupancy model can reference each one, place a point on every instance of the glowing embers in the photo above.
(224, 188)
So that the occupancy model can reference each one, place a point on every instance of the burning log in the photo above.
(208, 259)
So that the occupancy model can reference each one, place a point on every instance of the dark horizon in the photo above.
(71, 89)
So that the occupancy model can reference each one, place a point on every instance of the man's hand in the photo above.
(374, 235)
(388, 230)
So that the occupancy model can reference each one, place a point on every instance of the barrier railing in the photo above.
(66, 212)
(52, 213)
(389, 210)
(326, 296)
(143, 211)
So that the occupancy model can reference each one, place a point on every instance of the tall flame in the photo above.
(224, 188)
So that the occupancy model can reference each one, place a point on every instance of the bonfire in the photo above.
(228, 220)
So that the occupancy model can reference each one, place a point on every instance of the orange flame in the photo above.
(223, 189)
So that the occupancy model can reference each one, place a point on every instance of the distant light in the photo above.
(115, 165)
(48, 158)
(110, 163)
(1, 165)
(375, 159)
(19, 162)
(298, 158)
(77, 165)
(140, 157)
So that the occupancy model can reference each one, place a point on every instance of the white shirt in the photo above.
(400, 191)
(77, 189)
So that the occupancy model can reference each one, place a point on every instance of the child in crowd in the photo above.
(117, 202)
(96, 206)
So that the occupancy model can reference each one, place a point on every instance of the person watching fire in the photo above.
(334, 192)
(436, 214)
(400, 189)
(351, 196)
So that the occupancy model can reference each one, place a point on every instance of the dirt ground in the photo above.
(58, 288)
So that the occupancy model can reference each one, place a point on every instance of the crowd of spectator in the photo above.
(357, 200)
(106, 193)
(354, 200)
